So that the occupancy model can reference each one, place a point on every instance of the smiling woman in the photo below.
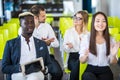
(100, 52)
(71, 43)
(100, 23)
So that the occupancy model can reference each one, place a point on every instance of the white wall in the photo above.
(72, 6)
(103, 5)
(1, 11)
(68, 7)
(77, 5)
(114, 8)
(109, 7)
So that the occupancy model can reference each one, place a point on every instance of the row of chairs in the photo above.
(8, 31)
(64, 24)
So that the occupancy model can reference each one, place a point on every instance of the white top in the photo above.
(73, 37)
(101, 59)
(45, 31)
(27, 55)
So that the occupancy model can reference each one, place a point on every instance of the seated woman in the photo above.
(98, 50)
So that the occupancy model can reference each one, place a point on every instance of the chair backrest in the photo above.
(12, 29)
(114, 30)
(81, 70)
(1, 45)
(65, 59)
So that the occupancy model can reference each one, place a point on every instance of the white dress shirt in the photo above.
(101, 59)
(71, 36)
(28, 53)
(45, 31)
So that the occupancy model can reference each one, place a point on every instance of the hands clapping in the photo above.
(48, 40)
(114, 49)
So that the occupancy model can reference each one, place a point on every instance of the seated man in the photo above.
(44, 31)
(24, 49)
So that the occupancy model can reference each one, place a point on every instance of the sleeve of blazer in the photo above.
(47, 56)
(7, 65)
(42, 51)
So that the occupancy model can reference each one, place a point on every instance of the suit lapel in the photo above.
(17, 48)
(37, 46)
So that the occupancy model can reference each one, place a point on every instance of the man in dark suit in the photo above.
(23, 49)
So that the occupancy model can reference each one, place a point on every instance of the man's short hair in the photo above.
(35, 9)
(22, 15)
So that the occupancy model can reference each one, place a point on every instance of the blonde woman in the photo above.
(71, 44)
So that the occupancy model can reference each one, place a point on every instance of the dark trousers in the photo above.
(119, 77)
(56, 71)
(118, 61)
(97, 73)
(73, 65)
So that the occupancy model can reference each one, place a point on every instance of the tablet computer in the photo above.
(33, 66)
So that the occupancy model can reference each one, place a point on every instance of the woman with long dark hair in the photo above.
(98, 50)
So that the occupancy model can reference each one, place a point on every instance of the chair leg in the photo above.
(47, 77)
(67, 72)
(4, 76)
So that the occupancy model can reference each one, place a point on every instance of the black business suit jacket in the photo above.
(12, 54)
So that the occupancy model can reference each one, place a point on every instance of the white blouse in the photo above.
(101, 59)
(71, 36)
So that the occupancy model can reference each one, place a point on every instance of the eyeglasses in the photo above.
(77, 18)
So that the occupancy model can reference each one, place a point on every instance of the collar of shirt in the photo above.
(23, 39)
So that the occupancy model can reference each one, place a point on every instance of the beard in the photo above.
(43, 21)
(28, 32)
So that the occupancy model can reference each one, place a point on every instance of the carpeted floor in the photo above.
(1, 74)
